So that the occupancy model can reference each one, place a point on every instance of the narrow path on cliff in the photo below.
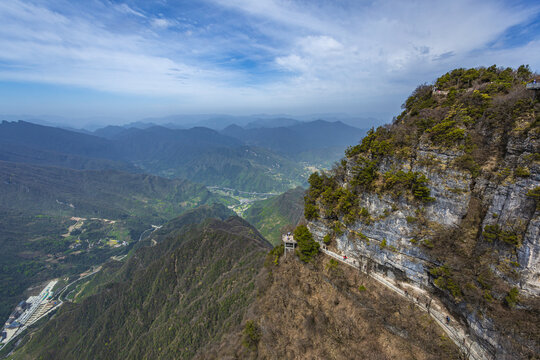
(470, 348)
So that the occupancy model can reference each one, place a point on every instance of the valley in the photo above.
(420, 243)
(244, 199)
(269, 180)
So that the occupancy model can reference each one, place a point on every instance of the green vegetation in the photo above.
(484, 119)
(444, 280)
(276, 253)
(327, 239)
(512, 297)
(332, 265)
(494, 233)
(446, 115)
(167, 301)
(36, 207)
(446, 133)
(535, 194)
(413, 182)
(242, 168)
(522, 172)
(411, 219)
(252, 335)
(272, 216)
(307, 247)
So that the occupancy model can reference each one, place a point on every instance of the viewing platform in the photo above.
(289, 242)
(533, 86)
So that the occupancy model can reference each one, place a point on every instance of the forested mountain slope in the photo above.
(57, 221)
(272, 216)
(447, 199)
(167, 301)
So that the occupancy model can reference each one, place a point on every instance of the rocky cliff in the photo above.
(446, 199)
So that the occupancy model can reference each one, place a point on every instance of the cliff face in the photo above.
(446, 199)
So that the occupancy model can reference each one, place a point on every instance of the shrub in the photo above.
(383, 244)
(411, 219)
(446, 133)
(421, 98)
(414, 182)
(276, 253)
(522, 172)
(535, 194)
(307, 247)
(337, 228)
(524, 73)
(362, 288)
(512, 297)
(332, 265)
(467, 162)
(487, 296)
(364, 173)
(311, 211)
(316, 184)
(493, 233)
(364, 212)
(327, 239)
(445, 281)
(427, 243)
(252, 335)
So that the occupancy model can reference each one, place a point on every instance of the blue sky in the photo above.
(133, 59)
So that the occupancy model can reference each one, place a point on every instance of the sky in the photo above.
(127, 60)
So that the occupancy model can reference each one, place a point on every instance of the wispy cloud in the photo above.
(162, 23)
(126, 9)
(268, 55)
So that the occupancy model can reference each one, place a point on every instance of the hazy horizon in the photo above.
(214, 121)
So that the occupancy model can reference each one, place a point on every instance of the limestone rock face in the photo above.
(396, 237)
(446, 201)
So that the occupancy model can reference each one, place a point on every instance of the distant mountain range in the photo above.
(221, 121)
(299, 138)
(261, 159)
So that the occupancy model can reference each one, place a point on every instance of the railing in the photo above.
(533, 86)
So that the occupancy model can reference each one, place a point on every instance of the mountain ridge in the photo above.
(206, 268)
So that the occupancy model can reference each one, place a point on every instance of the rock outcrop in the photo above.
(446, 200)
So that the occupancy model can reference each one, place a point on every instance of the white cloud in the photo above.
(162, 23)
(126, 9)
(330, 56)
(43, 46)
(383, 49)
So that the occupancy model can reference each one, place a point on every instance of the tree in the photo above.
(307, 247)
